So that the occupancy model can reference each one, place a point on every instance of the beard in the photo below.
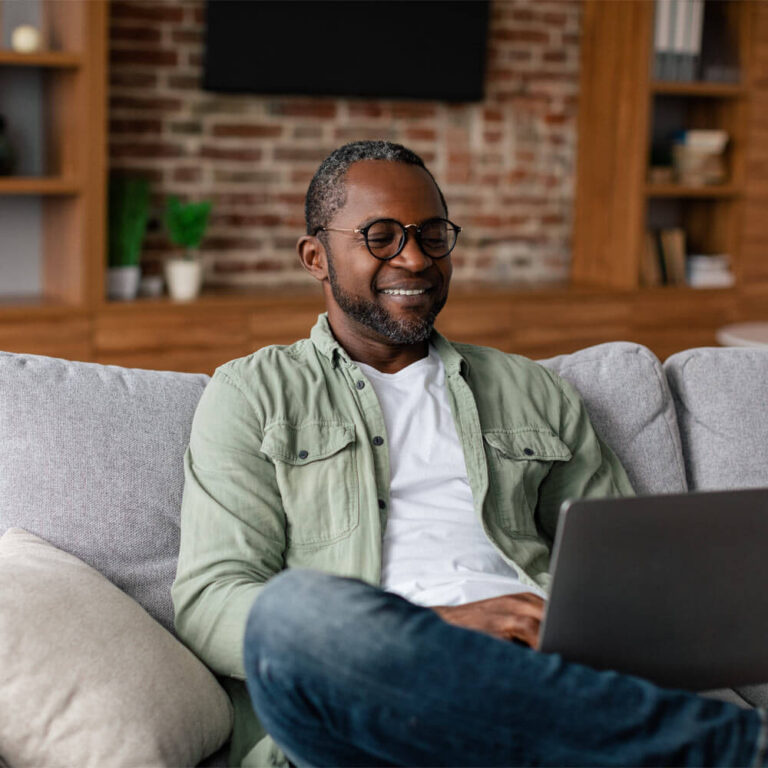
(414, 330)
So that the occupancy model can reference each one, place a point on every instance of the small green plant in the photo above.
(187, 222)
(128, 214)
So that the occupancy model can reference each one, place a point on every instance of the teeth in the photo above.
(402, 292)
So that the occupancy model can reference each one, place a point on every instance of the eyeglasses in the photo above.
(386, 238)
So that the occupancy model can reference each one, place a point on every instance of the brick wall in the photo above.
(506, 165)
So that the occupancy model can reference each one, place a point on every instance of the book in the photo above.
(662, 43)
(650, 262)
(673, 254)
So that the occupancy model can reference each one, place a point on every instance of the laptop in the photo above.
(671, 588)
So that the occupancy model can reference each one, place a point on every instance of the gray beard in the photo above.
(375, 317)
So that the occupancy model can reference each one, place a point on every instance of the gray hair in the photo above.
(327, 192)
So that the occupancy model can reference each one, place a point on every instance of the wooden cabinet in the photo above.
(623, 115)
(52, 208)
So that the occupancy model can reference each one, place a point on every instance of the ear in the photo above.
(313, 256)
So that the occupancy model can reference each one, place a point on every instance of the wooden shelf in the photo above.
(678, 190)
(682, 291)
(22, 307)
(48, 59)
(38, 185)
(698, 89)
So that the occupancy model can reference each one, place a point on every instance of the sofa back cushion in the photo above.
(91, 459)
(721, 397)
(630, 405)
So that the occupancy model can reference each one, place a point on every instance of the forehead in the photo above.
(385, 189)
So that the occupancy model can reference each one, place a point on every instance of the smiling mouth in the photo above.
(403, 292)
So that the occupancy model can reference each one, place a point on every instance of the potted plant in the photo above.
(186, 224)
(128, 214)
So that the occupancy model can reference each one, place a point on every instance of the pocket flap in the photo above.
(306, 443)
(528, 444)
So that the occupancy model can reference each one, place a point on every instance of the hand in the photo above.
(508, 617)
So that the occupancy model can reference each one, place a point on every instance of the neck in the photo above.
(365, 346)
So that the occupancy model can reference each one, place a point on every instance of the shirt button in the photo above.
(360, 384)
(303, 454)
(528, 451)
(378, 440)
(382, 504)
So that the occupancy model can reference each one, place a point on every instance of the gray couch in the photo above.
(91, 462)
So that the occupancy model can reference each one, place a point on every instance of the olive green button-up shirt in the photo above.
(288, 466)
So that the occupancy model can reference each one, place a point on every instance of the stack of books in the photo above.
(697, 157)
(709, 271)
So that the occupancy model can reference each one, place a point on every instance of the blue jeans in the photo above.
(344, 674)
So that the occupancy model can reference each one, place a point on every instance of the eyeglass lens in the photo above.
(386, 238)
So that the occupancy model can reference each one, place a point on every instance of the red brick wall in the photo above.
(506, 165)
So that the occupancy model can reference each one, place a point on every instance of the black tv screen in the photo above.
(370, 48)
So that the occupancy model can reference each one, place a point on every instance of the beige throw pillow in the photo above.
(87, 677)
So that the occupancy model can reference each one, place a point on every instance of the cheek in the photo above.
(447, 269)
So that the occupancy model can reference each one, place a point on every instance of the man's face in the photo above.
(364, 288)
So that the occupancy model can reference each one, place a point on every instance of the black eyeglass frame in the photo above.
(403, 237)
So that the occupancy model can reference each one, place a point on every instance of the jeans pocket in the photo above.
(315, 469)
(518, 461)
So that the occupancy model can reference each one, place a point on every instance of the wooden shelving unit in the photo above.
(58, 196)
(622, 111)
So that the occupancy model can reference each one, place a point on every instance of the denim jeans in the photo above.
(344, 674)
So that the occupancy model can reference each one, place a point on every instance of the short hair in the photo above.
(327, 192)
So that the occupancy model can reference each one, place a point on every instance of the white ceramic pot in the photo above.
(123, 283)
(184, 278)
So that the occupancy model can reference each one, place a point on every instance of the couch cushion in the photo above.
(721, 396)
(87, 678)
(91, 459)
(630, 405)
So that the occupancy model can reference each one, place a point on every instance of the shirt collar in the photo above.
(325, 342)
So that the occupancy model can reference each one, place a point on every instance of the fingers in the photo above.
(524, 604)
(509, 617)
(524, 629)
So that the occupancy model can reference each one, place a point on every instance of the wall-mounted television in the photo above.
(410, 49)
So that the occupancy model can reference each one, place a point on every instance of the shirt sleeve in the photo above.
(593, 471)
(232, 527)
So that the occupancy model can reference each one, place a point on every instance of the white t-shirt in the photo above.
(435, 551)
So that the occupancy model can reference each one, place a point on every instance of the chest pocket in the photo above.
(315, 469)
(518, 462)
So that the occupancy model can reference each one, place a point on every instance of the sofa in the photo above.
(90, 490)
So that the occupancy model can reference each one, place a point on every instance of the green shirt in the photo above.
(288, 466)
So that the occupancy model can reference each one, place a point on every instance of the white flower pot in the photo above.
(123, 283)
(184, 278)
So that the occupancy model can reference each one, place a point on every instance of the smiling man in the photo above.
(368, 516)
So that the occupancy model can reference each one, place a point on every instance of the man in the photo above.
(378, 450)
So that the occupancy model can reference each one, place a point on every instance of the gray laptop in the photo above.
(671, 588)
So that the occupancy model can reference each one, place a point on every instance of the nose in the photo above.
(412, 257)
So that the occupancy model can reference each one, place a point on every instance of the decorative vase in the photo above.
(123, 282)
(184, 278)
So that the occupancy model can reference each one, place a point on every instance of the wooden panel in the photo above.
(613, 135)
(753, 261)
(58, 337)
(145, 329)
(63, 249)
(64, 21)
(185, 360)
(94, 147)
